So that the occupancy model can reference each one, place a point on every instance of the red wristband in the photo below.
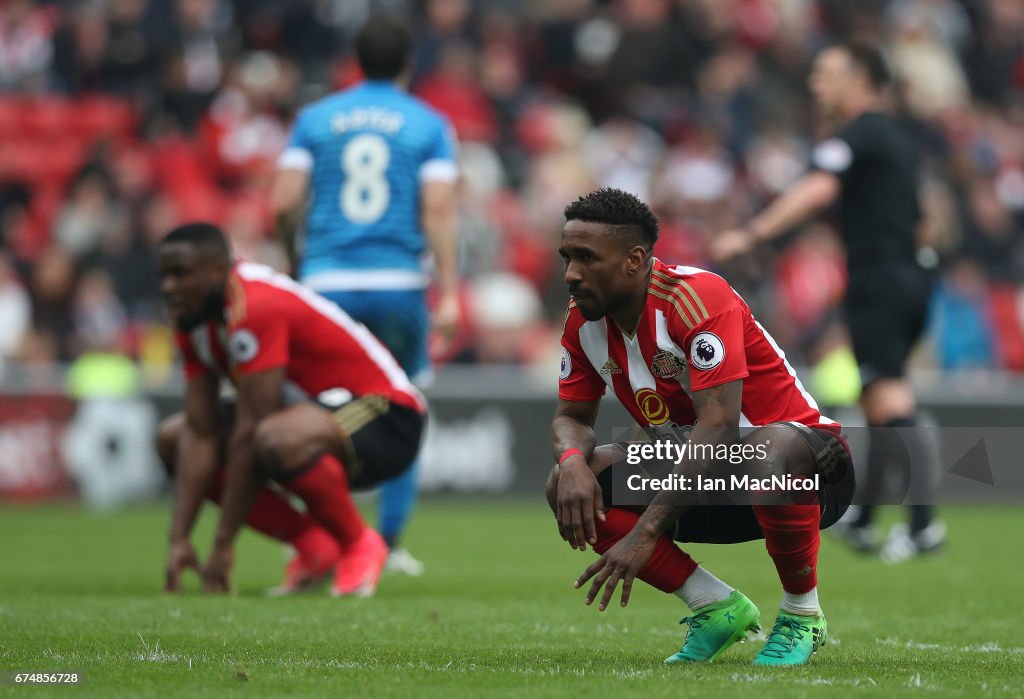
(567, 453)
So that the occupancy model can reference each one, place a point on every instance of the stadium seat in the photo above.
(47, 117)
(10, 117)
(102, 115)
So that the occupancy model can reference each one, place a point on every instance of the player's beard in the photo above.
(212, 308)
(590, 309)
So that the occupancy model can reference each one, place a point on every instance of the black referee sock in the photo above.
(921, 472)
(886, 451)
(920, 517)
(899, 450)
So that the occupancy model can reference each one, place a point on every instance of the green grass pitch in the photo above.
(495, 616)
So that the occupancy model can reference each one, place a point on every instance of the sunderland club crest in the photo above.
(666, 365)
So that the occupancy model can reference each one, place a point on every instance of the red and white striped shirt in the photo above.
(695, 332)
(271, 321)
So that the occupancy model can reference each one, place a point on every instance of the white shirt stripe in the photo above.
(639, 375)
(367, 280)
(792, 372)
(594, 341)
(380, 356)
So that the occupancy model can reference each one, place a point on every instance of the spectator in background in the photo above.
(193, 65)
(309, 33)
(453, 88)
(26, 49)
(244, 226)
(90, 213)
(16, 225)
(990, 233)
(100, 367)
(996, 49)
(243, 130)
(37, 360)
(557, 50)
(15, 310)
(97, 315)
(105, 46)
(652, 52)
(962, 324)
(622, 153)
(505, 314)
(554, 134)
(447, 22)
(53, 279)
(123, 256)
(932, 78)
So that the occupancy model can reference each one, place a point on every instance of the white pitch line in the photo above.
(991, 647)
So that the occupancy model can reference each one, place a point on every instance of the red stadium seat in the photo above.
(1006, 319)
(46, 117)
(101, 115)
(10, 117)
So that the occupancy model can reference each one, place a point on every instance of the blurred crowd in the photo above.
(121, 118)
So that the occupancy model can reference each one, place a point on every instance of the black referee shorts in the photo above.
(886, 309)
(736, 523)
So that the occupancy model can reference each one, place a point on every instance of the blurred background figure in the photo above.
(15, 311)
(379, 168)
(869, 167)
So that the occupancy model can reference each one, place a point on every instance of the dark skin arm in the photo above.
(718, 417)
(195, 468)
(258, 396)
(579, 495)
(287, 196)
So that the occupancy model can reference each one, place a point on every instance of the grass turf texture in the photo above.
(496, 615)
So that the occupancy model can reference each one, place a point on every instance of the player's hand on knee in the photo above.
(180, 558)
(217, 571)
(579, 502)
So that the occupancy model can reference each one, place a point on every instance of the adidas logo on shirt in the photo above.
(610, 367)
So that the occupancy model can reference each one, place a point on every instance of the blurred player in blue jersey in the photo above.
(379, 169)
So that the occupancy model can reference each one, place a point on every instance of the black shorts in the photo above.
(732, 524)
(886, 309)
(380, 439)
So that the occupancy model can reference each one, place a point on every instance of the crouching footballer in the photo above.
(679, 348)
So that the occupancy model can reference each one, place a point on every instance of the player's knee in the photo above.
(275, 443)
(166, 441)
(551, 489)
(778, 451)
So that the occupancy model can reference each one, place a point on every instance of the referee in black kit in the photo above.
(870, 166)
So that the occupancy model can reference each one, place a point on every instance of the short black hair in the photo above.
(384, 47)
(617, 208)
(205, 236)
(869, 57)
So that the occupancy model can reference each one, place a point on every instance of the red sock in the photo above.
(316, 547)
(791, 536)
(271, 514)
(324, 489)
(669, 566)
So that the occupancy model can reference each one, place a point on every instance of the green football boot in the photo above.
(715, 627)
(793, 640)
